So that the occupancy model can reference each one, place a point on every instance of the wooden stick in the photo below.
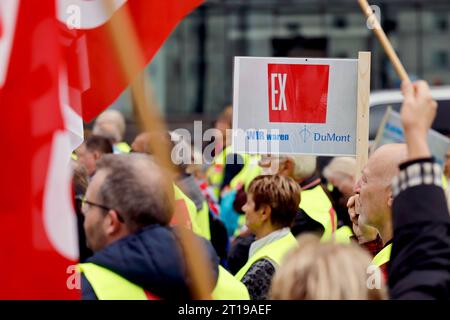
(129, 53)
(385, 43)
(362, 117)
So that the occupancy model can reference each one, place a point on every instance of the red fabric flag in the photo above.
(42, 82)
(38, 237)
(95, 75)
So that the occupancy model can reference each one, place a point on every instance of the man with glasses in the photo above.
(127, 209)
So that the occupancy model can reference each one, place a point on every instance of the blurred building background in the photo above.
(192, 73)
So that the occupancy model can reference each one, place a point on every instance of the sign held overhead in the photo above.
(295, 106)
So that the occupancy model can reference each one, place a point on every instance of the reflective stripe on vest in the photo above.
(383, 256)
(108, 285)
(317, 205)
(229, 288)
(343, 235)
(191, 210)
(274, 252)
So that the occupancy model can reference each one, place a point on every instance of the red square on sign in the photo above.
(298, 93)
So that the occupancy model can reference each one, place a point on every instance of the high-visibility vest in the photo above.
(274, 252)
(249, 172)
(444, 182)
(108, 285)
(317, 205)
(383, 257)
(122, 147)
(215, 172)
(229, 288)
(180, 196)
(202, 220)
(343, 235)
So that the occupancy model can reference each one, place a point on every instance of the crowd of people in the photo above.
(270, 226)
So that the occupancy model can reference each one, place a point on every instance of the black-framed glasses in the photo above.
(85, 203)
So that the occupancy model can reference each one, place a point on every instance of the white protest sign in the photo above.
(295, 106)
(391, 131)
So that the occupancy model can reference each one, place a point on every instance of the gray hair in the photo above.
(305, 166)
(115, 119)
(137, 188)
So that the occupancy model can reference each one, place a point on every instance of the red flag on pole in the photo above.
(41, 84)
(38, 238)
(95, 75)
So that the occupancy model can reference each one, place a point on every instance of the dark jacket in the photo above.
(151, 259)
(420, 259)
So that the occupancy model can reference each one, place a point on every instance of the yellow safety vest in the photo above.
(249, 172)
(274, 252)
(215, 172)
(343, 235)
(122, 147)
(192, 210)
(108, 285)
(202, 220)
(317, 205)
(383, 256)
(229, 288)
(444, 182)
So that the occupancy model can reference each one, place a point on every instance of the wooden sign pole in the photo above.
(130, 56)
(362, 117)
(384, 41)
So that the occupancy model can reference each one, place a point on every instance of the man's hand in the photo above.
(362, 232)
(417, 115)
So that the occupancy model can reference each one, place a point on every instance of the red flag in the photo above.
(95, 75)
(38, 236)
(39, 80)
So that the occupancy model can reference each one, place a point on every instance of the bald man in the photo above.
(371, 208)
(111, 124)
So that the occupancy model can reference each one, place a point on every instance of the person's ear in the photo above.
(113, 224)
(96, 155)
(266, 211)
(390, 200)
(287, 167)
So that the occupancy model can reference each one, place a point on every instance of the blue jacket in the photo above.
(150, 258)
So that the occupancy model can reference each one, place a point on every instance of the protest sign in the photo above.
(296, 106)
(391, 131)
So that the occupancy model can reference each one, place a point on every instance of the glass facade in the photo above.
(193, 72)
